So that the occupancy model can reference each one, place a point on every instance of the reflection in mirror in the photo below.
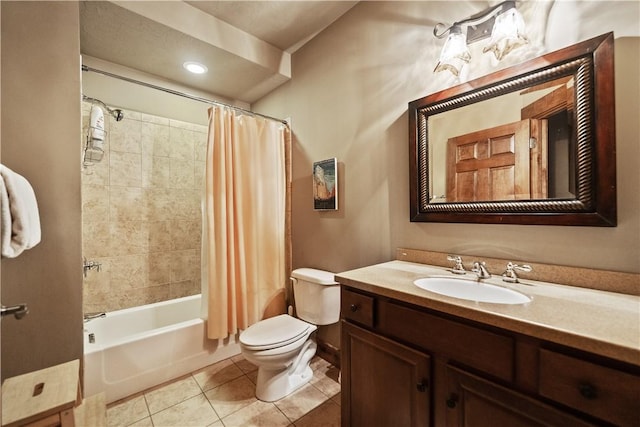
(511, 147)
(531, 144)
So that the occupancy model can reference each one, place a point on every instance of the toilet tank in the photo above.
(317, 296)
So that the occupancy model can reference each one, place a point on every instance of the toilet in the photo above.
(282, 346)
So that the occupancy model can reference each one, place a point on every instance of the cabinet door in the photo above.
(472, 401)
(383, 383)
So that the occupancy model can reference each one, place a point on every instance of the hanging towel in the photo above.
(19, 217)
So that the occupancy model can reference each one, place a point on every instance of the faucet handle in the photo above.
(458, 268)
(510, 275)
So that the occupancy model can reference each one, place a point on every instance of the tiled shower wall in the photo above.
(141, 212)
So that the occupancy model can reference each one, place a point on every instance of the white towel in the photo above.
(19, 217)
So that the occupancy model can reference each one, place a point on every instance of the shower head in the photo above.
(116, 114)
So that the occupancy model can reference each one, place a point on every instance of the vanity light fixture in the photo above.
(195, 67)
(502, 22)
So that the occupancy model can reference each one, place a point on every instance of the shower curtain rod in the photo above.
(182, 94)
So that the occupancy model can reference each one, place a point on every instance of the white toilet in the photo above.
(282, 346)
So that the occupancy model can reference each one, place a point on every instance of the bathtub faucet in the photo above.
(90, 265)
(91, 316)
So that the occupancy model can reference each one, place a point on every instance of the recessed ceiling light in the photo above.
(195, 67)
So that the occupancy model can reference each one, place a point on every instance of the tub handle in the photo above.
(90, 265)
(18, 311)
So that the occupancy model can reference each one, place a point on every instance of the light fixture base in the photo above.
(480, 31)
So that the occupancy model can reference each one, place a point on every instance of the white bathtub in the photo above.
(141, 347)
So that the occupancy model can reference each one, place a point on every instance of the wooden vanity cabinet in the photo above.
(387, 383)
(404, 365)
(474, 401)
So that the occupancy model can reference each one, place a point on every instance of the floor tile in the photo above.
(258, 414)
(253, 376)
(325, 377)
(127, 412)
(325, 415)
(172, 394)
(145, 422)
(244, 365)
(337, 399)
(232, 396)
(300, 402)
(193, 412)
(223, 395)
(217, 374)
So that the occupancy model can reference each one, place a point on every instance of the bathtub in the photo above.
(137, 348)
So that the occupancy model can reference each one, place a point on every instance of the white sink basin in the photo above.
(471, 290)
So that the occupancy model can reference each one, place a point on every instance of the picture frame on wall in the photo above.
(325, 185)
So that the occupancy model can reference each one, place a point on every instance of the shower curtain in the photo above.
(245, 266)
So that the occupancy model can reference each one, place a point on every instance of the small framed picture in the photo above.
(325, 185)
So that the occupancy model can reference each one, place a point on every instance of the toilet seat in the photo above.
(274, 332)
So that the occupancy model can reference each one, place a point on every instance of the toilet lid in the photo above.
(274, 332)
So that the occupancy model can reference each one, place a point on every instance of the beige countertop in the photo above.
(600, 322)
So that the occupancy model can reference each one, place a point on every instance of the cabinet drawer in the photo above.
(603, 392)
(481, 349)
(356, 307)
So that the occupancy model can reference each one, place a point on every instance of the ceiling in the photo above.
(246, 45)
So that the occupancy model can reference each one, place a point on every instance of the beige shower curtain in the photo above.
(245, 227)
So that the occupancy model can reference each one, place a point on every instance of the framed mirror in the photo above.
(530, 144)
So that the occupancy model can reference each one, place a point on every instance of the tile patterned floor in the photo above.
(223, 395)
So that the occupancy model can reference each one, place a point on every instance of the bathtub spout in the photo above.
(91, 316)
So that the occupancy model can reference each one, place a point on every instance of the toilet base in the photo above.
(274, 384)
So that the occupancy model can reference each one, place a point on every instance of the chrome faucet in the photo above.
(91, 316)
(481, 270)
(90, 265)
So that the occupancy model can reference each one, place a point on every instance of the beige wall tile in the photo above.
(160, 236)
(200, 147)
(129, 272)
(185, 265)
(187, 204)
(141, 206)
(155, 140)
(181, 173)
(125, 169)
(184, 289)
(96, 239)
(159, 268)
(97, 173)
(125, 135)
(129, 237)
(185, 234)
(95, 203)
(156, 171)
(162, 204)
(182, 144)
(128, 204)
(199, 175)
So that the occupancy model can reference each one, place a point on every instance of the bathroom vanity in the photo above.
(411, 357)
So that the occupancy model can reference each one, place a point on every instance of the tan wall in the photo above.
(141, 211)
(348, 99)
(40, 122)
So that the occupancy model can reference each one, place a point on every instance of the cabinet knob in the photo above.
(588, 391)
(353, 307)
(452, 401)
(422, 385)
